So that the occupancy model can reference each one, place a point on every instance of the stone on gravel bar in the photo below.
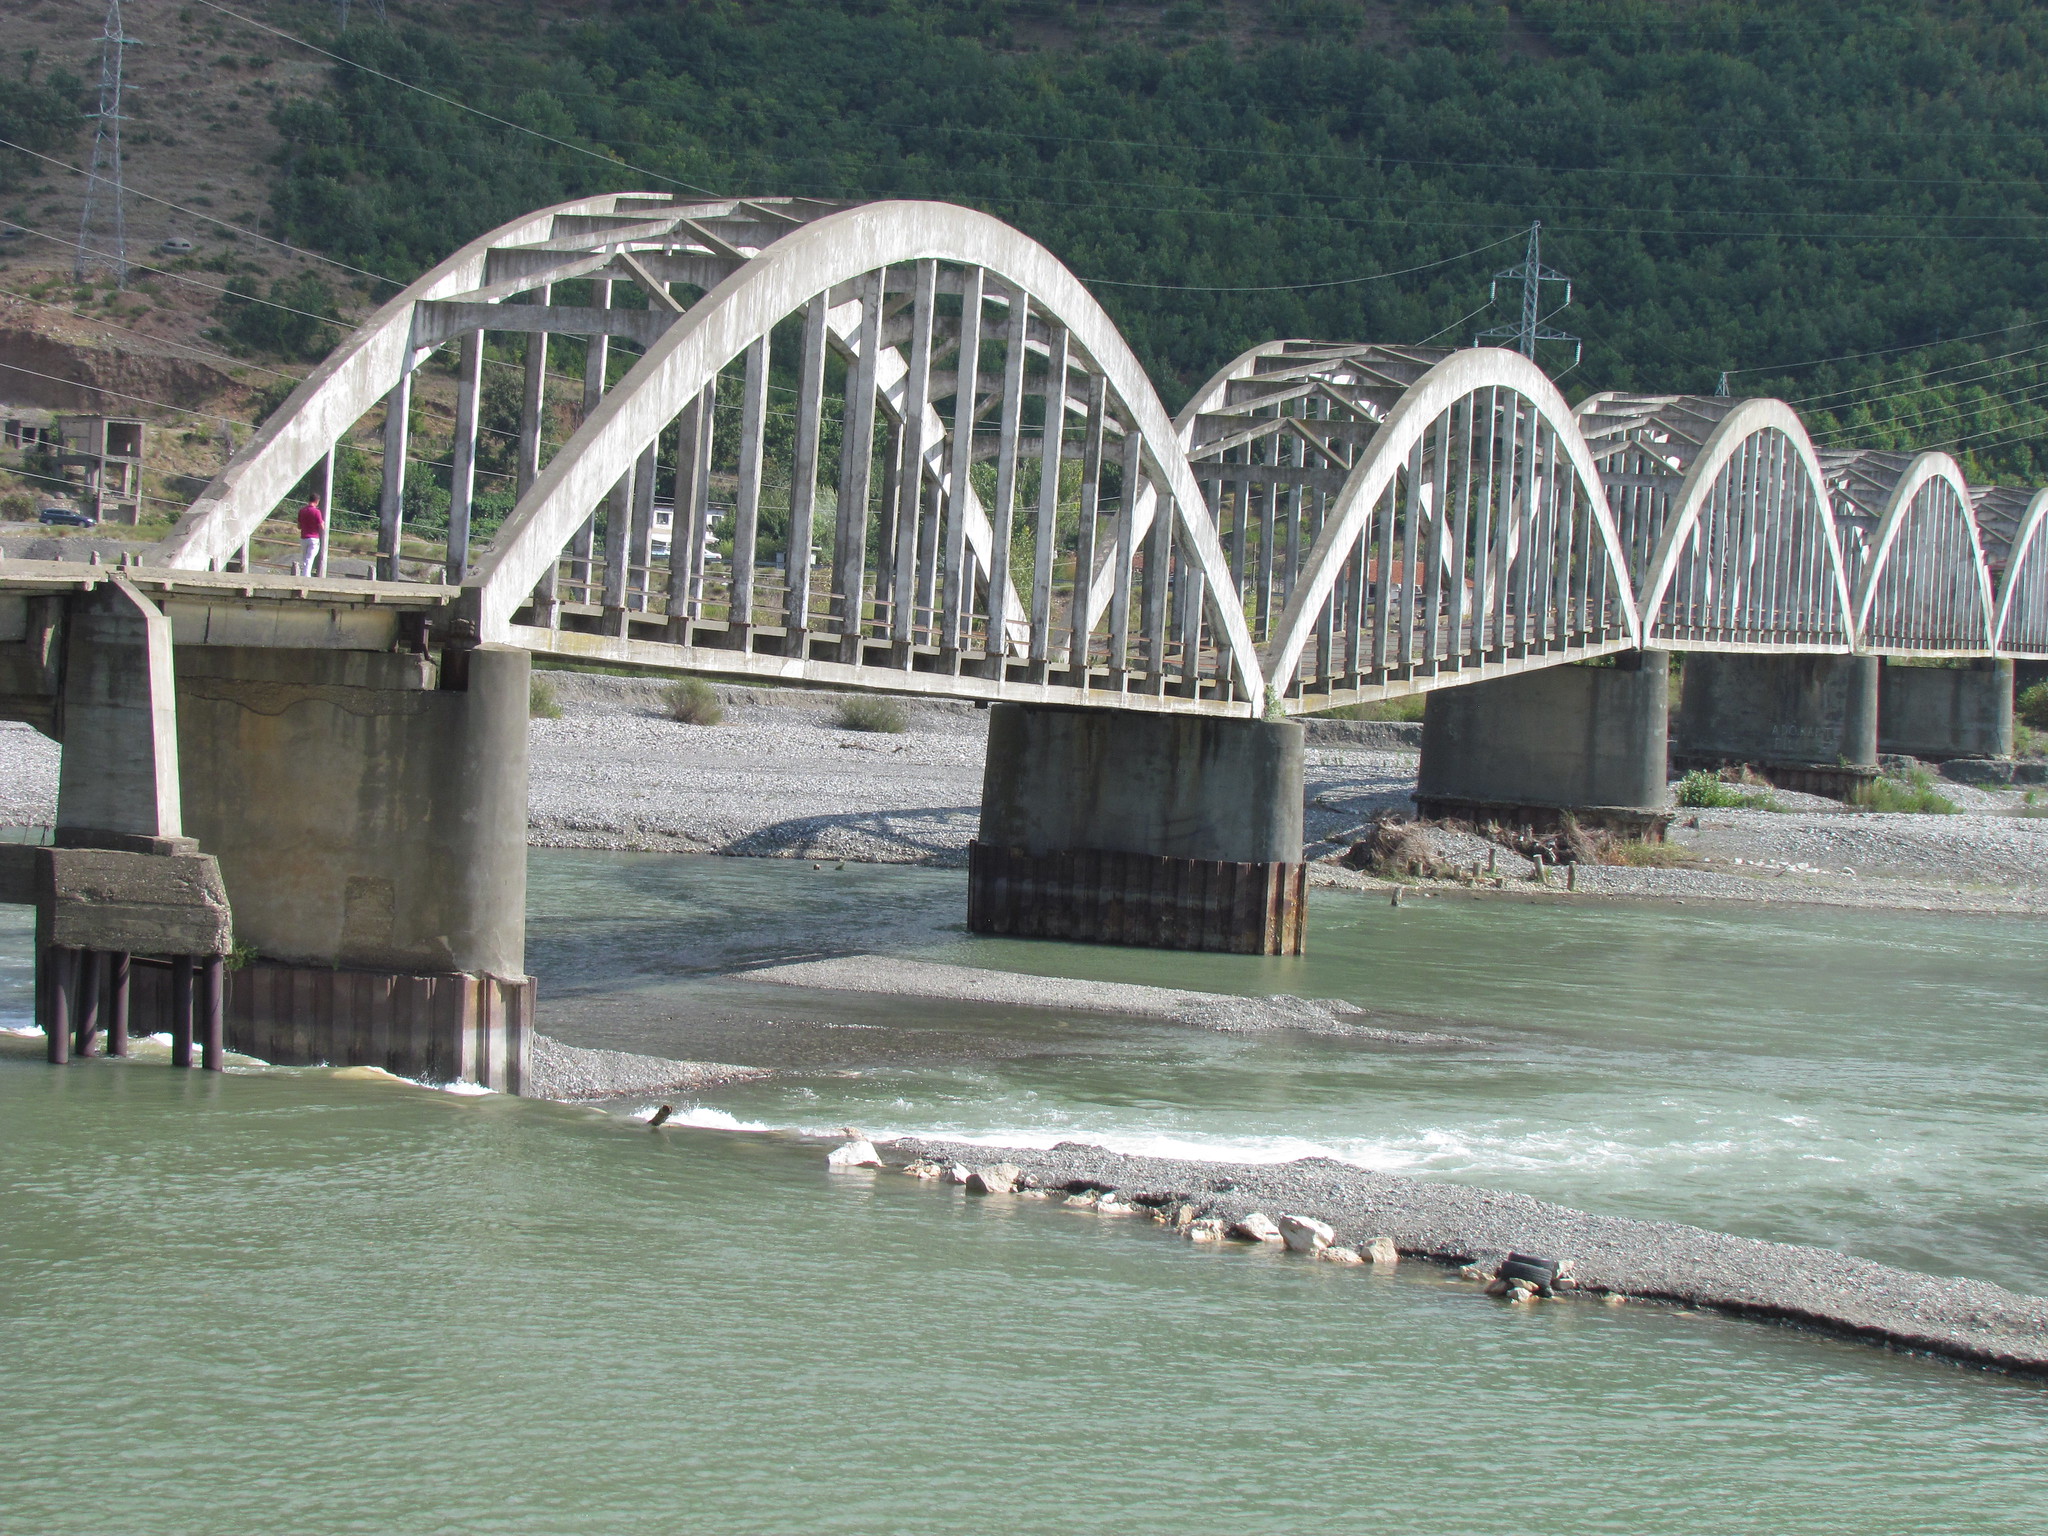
(1085, 1200)
(923, 1168)
(956, 1173)
(1381, 1250)
(1256, 1227)
(1336, 1255)
(1206, 1229)
(853, 1154)
(1304, 1234)
(995, 1179)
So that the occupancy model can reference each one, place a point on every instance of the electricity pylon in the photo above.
(1530, 329)
(103, 182)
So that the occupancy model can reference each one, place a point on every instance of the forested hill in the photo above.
(1743, 186)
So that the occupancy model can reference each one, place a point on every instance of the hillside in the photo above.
(1750, 187)
(1734, 186)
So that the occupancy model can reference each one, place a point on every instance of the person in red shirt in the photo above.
(312, 534)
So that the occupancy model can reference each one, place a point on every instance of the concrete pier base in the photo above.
(1805, 723)
(1940, 713)
(1119, 827)
(370, 822)
(1527, 751)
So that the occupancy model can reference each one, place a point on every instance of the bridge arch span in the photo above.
(1471, 538)
(1921, 583)
(363, 369)
(840, 273)
(2023, 589)
(1750, 556)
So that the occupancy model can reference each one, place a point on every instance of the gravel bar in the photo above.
(570, 1073)
(900, 977)
(1964, 1320)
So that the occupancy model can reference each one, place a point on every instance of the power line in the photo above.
(254, 234)
(1339, 282)
(1911, 346)
(609, 160)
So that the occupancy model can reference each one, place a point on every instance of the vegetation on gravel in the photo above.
(1911, 791)
(542, 702)
(868, 713)
(1408, 708)
(693, 702)
(1705, 791)
(2030, 709)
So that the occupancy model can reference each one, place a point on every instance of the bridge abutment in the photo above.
(1939, 713)
(1121, 827)
(1588, 741)
(371, 832)
(1805, 722)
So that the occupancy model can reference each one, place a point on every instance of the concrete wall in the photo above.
(1167, 785)
(1762, 709)
(1570, 736)
(361, 817)
(1943, 712)
(118, 721)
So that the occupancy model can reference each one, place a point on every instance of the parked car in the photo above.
(67, 518)
(177, 245)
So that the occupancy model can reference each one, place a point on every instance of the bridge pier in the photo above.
(1805, 722)
(1121, 827)
(1940, 713)
(370, 822)
(1586, 741)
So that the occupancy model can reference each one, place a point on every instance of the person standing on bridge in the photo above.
(312, 535)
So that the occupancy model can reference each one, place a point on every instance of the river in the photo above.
(309, 1302)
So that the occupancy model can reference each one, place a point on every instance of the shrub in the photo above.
(1704, 791)
(2031, 707)
(542, 702)
(692, 702)
(872, 714)
(1915, 793)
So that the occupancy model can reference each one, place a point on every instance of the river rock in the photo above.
(1381, 1250)
(995, 1179)
(853, 1154)
(1113, 1204)
(1304, 1234)
(1206, 1229)
(923, 1168)
(1336, 1255)
(1257, 1227)
(1085, 1200)
(956, 1173)
(1476, 1272)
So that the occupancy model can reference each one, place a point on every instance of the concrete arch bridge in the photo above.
(898, 446)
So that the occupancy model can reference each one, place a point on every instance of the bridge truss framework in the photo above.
(1323, 523)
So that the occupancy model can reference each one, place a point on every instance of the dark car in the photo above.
(67, 518)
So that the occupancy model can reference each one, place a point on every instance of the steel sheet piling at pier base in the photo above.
(63, 963)
(213, 998)
(181, 1011)
(88, 1027)
(119, 990)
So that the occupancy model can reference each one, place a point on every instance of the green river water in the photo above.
(287, 1301)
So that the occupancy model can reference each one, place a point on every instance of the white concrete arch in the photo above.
(1741, 429)
(1400, 443)
(742, 309)
(1926, 539)
(364, 368)
(2023, 595)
